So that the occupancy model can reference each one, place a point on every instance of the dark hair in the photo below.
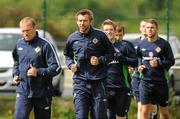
(84, 12)
(119, 28)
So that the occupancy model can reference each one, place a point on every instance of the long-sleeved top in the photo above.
(42, 55)
(79, 49)
(118, 75)
(160, 49)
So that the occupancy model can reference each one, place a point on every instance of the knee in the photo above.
(165, 115)
(21, 114)
(145, 112)
(17, 116)
(81, 117)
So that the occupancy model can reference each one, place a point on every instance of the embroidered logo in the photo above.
(37, 49)
(18, 95)
(136, 47)
(20, 48)
(95, 40)
(76, 42)
(143, 49)
(74, 95)
(47, 108)
(158, 49)
(151, 54)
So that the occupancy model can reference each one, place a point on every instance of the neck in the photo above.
(112, 40)
(143, 37)
(119, 39)
(153, 39)
(86, 31)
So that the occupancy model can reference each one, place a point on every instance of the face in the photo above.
(143, 27)
(28, 30)
(151, 30)
(109, 30)
(83, 23)
(119, 35)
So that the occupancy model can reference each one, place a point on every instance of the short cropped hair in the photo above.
(27, 19)
(108, 22)
(119, 28)
(153, 21)
(84, 12)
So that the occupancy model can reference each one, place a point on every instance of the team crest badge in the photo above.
(20, 48)
(76, 42)
(158, 49)
(37, 49)
(151, 54)
(95, 40)
(143, 49)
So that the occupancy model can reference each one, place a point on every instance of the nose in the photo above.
(25, 33)
(108, 31)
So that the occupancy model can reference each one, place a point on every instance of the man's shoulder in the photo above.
(162, 39)
(20, 41)
(98, 31)
(128, 43)
(42, 40)
(74, 34)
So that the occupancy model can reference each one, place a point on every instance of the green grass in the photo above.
(62, 108)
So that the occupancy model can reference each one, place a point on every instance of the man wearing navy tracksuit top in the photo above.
(87, 52)
(157, 58)
(118, 79)
(35, 64)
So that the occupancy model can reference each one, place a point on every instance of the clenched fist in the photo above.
(94, 60)
(140, 68)
(74, 68)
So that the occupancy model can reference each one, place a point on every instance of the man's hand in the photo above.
(130, 69)
(140, 68)
(32, 71)
(16, 80)
(153, 62)
(74, 68)
(94, 60)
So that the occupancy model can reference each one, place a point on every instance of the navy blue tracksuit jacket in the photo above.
(118, 75)
(41, 54)
(80, 47)
(162, 51)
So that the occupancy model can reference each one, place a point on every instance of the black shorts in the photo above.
(154, 93)
(119, 102)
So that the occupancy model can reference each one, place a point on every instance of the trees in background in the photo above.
(60, 13)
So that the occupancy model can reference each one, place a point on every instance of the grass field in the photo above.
(62, 108)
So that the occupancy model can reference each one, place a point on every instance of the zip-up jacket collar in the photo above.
(34, 39)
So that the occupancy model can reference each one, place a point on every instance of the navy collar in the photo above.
(34, 39)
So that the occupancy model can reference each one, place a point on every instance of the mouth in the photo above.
(82, 27)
